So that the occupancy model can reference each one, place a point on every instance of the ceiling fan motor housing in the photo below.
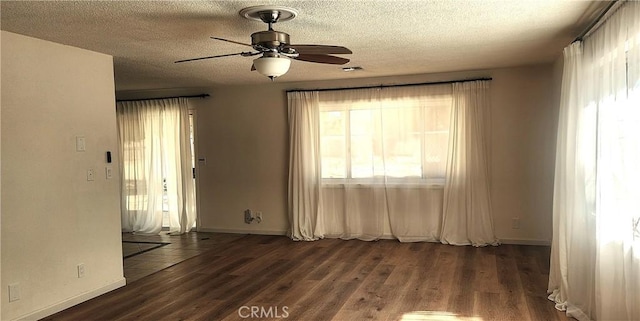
(269, 39)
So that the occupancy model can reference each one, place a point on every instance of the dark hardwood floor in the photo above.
(273, 278)
(178, 249)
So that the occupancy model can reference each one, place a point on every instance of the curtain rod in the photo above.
(191, 96)
(397, 85)
(596, 23)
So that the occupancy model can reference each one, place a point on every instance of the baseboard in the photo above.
(242, 231)
(384, 236)
(42, 313)
(525, 242)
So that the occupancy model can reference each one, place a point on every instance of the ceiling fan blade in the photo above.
(244, 54)
(231, 41)
(322, 59)
(319, 49)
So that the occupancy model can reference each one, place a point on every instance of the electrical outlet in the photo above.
(91, 175)
(80, 270)
(108, 172)
(80, 144)
(515, 223)
(14, 292)
(258, 216)
(248, 216)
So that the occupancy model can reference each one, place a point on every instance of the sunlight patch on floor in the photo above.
(436, 316)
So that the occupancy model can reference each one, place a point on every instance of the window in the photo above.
(399, 137)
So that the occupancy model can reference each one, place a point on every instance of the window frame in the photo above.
(419, 181)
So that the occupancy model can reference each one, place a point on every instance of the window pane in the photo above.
(402, 129)
(398, 137)
(436, 147)
(362, 143)
(332, 123)
(436, 129)
(333, 144)
(333, 157)
(437, 115)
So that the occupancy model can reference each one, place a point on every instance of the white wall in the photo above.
(52, 217)
(242, 132)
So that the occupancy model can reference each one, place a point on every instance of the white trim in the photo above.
(382, 237)
(525, 242)
(500, 241)
(194, 117)
(242, 231)
(45, 312)
(381, 182)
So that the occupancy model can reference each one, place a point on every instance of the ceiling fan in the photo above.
(275, 47)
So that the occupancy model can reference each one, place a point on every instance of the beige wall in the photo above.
(52, 217)
(242, 132)
(0, 175)
(524, 121)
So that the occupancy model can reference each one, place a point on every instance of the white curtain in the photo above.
(304, 166)
(388, 175)
(467, 208)
(595, 258)
(156, 165)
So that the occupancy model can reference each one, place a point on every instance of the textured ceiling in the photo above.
(386, 37)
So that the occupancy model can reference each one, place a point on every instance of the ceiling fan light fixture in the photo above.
(272, 67)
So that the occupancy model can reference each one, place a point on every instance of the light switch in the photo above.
(91, 176)
(14, 292)
(80, 144)
(108, 172)
(80, 270)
